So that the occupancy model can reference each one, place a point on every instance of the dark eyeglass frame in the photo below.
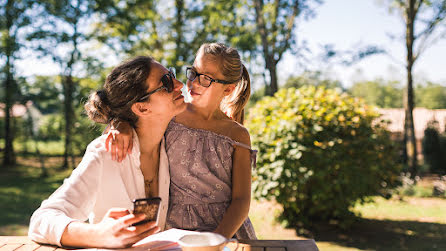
(168, 85)
(192, 70)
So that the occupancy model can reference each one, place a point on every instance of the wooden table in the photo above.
(23, 243)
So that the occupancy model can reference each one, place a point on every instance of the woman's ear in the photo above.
(141, 108)
(228, 89)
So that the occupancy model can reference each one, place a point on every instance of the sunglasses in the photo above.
(203, 79)
(167, 80)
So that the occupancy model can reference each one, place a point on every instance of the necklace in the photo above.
(150, 191)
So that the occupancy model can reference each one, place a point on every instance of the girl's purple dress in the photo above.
(200, 179)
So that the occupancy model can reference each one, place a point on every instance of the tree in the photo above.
(431, 96)
(275, 23)
(164, 30)
(379, 93)
(428, 15)
(14, 17)
(60, 33)
(44, 92)
(314, 78)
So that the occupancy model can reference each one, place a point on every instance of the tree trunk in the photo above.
(9, 157)
(268, 53)
(273, 86)
(411, 147)
(179, 51)
(69, 118)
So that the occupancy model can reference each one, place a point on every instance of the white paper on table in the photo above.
(166, 240)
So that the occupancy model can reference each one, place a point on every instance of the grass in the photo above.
(411, 223)
(22, 189)
(49, 148)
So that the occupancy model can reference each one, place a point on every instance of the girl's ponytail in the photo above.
(234, 104)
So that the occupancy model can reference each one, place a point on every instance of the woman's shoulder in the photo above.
(97, 145)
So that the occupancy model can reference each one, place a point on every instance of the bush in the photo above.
(433, 148)
(319, 153)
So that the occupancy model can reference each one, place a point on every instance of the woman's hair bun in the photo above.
(97, 107)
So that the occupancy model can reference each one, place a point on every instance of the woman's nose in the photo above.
(177, 85)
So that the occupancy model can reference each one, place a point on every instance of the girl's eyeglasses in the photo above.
(203, 79)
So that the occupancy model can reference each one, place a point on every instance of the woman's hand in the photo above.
(120, 140)
(114, 231)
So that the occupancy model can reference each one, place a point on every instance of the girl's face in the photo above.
(161, 102)
(206, 96)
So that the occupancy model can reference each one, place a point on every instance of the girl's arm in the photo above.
(238, 210)
(119, 140)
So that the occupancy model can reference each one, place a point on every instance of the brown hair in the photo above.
(124, 86)
(232, 68)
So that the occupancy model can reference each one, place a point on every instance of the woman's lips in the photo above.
(179, 97)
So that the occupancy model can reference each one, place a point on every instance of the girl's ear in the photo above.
(228, 89)
(141, 108)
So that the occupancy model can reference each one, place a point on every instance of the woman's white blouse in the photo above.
(96, 185)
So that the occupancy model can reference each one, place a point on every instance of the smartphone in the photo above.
(149, 206)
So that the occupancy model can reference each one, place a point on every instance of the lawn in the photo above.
(412, 223)
(408, 223)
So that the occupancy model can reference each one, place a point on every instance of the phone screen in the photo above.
(149, 206)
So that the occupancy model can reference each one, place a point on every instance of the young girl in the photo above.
(208, 148)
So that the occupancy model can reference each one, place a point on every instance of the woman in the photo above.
(209, 149)
(147, 96)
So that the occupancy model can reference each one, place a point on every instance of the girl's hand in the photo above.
(116, 230)
(120, 140)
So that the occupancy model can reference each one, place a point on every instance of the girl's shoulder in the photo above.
(239, 133)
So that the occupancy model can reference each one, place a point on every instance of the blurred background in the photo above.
(347, 108)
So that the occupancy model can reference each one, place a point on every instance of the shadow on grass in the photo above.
(370, 234)
(21, 192)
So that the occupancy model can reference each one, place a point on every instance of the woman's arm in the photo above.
(114, 231)
(60, 218)
(238, 210)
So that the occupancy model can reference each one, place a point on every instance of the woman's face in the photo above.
(206, 96)
(163, 103)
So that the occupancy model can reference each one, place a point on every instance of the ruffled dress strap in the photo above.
(253, 153)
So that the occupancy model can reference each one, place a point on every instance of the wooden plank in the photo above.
(232, 246)
(28, 247)
(15, 240)
(275, 249)
(302, 245)
(10, 247)
(248, 248)
(289, 245)
(46, 248)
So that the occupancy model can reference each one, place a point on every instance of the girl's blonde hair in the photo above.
(233, 70)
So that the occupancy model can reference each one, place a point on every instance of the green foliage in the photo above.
(319, 153)
(44, 91)
(431, 96)
(314, 78)
(389, 94)
(380, 93)
(433, 148)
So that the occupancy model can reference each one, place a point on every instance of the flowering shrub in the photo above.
(319, 153)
